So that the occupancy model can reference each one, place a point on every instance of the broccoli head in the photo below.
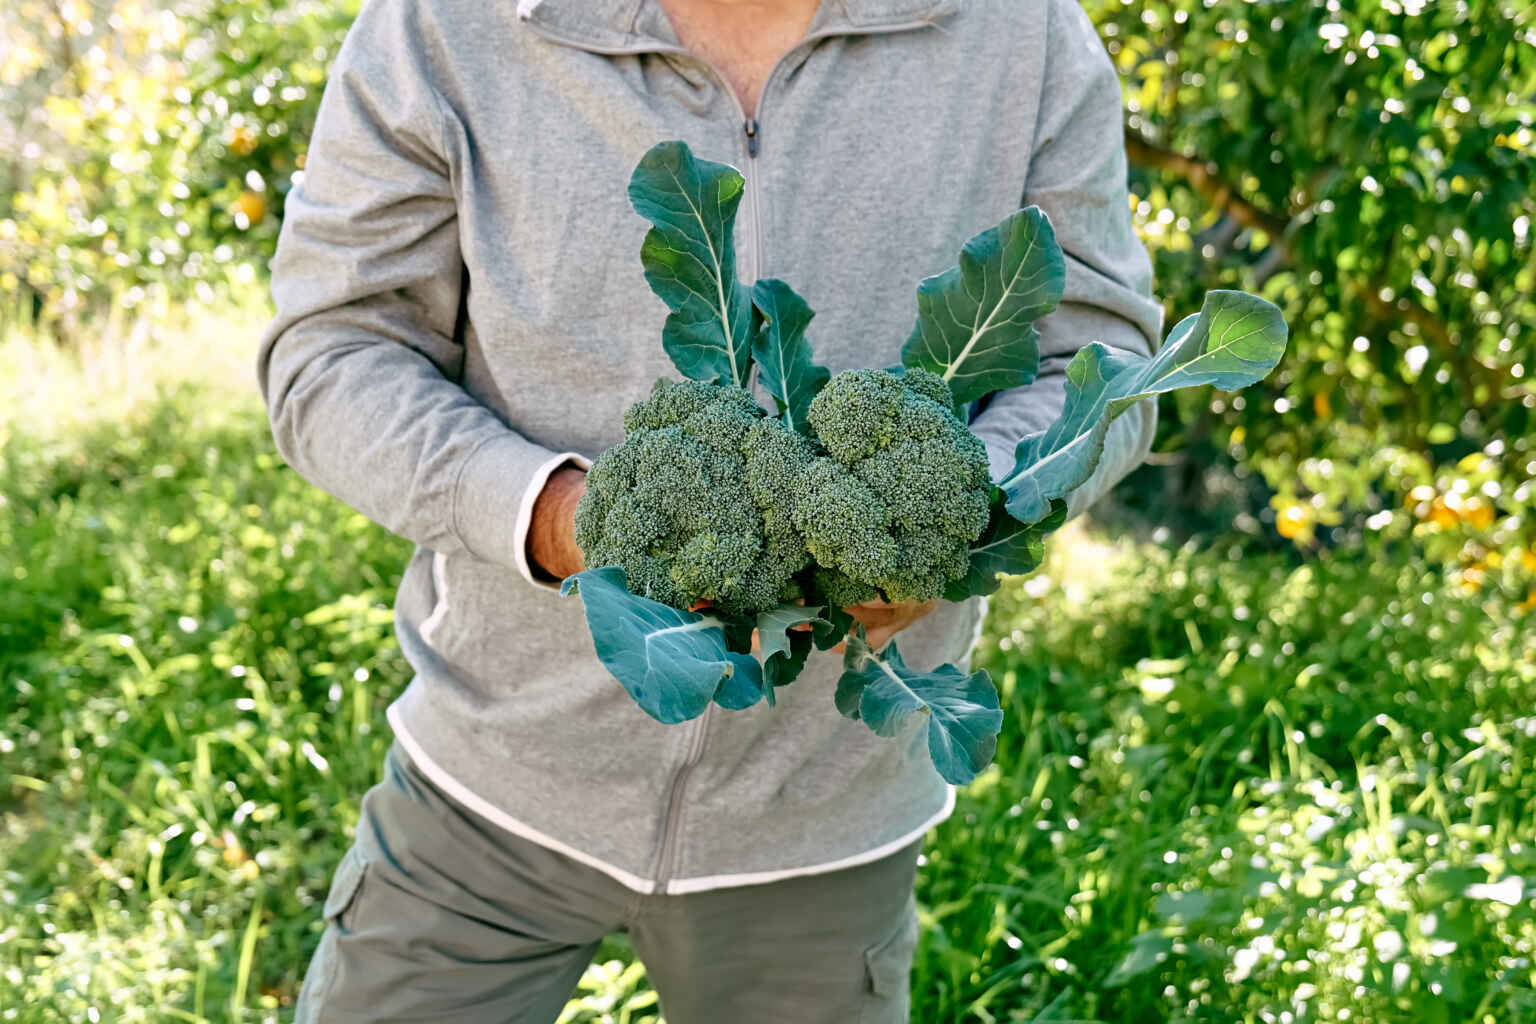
(902, 491)
(691, 504)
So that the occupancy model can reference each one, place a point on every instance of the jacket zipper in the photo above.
(750, 128)
(667, 856)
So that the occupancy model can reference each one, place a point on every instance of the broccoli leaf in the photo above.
(829, 630)
(783, 354)
(743, 688)
(1234, 340)
(672, 662)
(975, 322)
(737, 629)
(784, 649)
(690, 261)
(963, 712)
(1006, 546)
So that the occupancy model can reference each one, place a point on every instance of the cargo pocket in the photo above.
(338, 916)
(888, 973)
(344, 889)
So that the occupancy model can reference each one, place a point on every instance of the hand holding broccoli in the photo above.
(882, 621)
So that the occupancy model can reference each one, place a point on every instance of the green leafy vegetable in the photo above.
(1007, 547)
(676, 502)
(672, 662)
(1234, 340)
(902, 492)
(962, 710)
(690, 261)
(782, 353)
(867, 485)
(785, 648)
(975, 322)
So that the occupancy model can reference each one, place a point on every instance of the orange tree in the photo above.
(1371, 167)
(146, 147)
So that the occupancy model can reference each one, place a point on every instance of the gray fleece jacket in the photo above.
(461, 309)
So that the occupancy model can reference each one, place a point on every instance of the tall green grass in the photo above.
(1227, 789)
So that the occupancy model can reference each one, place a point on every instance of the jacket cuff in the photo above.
(493, 501)
(525, 516)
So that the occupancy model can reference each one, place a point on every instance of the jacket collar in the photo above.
(633, 26)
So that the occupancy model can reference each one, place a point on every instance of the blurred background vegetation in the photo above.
(1269, 753)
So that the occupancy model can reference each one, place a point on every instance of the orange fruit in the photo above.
(242, 141)
(1478, 514)
(252, 204)
(1442, 515)
(1294, 521)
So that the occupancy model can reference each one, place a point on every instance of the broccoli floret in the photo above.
(929, 385)
(693, 502)
(845, 522)
(903, 490)
(841, 590)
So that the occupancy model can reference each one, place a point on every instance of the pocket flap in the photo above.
(890, 963)
(344, 884)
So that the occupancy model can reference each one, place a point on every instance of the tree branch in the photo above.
(1206, 179)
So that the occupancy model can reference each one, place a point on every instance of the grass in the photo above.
(1228, 788)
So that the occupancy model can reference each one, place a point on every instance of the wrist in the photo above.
(551, 546)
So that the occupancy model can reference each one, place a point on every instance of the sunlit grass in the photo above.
(50, 391)
(1227, 789)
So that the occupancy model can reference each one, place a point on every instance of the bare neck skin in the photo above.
(743, 38)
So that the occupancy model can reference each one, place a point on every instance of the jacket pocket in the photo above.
(345, 885)
(888, 973)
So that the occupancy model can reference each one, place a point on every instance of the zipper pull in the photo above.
(750, 127)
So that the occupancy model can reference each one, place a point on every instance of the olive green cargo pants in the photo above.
(436, 914)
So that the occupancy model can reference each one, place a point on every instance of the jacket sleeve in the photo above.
(1077, 175)
(359, 366)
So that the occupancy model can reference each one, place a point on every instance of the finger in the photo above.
(756, 645)
(874, 619)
